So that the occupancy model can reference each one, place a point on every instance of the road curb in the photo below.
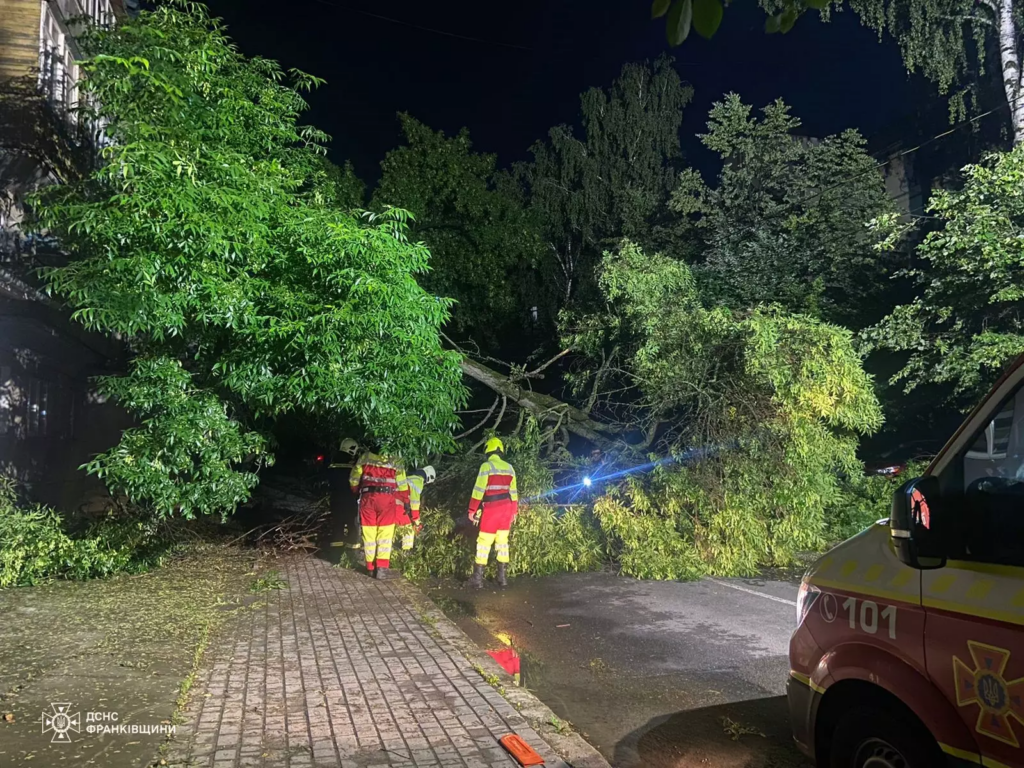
(568, 744)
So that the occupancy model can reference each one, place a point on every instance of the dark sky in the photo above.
(834, 75)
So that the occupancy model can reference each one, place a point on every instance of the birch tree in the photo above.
(948, 41)
(588, 191)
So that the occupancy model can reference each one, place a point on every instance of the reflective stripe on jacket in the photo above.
(496, 479)
(374, 471)
(402, 489)
(416, 483)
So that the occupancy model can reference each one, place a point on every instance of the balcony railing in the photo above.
(30, 124)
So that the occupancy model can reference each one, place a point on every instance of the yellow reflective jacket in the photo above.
(495, 481)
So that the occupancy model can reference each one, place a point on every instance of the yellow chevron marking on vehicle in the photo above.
(901, 578)
(971, 757)
(943, 583)
(979, 589)
(848, 567)
(1013, 571)
(886, 594)
(874, 572)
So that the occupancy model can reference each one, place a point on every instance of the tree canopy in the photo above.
(760, 409)
(587, 191)
(481, 240)
(218, 245)
(777, 227)
(965, 325)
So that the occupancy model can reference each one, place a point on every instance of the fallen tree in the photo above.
(545, 408)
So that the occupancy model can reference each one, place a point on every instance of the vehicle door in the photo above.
(974, 605)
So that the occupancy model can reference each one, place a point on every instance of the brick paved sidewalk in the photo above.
(341, 670)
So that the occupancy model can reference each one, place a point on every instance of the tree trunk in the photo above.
(1009, 58)
(540, 405)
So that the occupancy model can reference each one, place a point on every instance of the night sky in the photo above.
(531, 59)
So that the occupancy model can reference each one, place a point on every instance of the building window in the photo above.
(37, 404)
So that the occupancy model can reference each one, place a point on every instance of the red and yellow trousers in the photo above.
(377, 516)
(403, 520)
(495, 524)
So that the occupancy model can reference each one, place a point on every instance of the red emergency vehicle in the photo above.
(909, 649)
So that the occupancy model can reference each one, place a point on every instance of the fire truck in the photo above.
(909, 647)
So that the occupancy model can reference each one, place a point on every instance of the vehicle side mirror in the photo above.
(916, 507)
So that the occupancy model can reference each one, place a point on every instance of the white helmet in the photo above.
(349, 446)
(429, 474)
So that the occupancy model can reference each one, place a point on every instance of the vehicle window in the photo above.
(993, 484)
(994, 440)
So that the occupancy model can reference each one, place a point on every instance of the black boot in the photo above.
(502, 575)
(382, 574)
(477, 579)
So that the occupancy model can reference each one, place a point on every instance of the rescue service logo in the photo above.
(985, 685)
(60, 721)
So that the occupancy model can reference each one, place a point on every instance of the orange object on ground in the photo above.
(523, 753)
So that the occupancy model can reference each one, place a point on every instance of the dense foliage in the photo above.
(37, 546)
(777, 228)
(966, 324)
(484, 247)
(760, 407)
(588, 191)
(707, 322)
(220, 246)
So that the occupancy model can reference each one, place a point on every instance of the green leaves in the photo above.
(966, 324)
(481, 239)
(611, 180)
(218, 242)
(680, 16)
(762, 405)
(707, 16)
(704, 15)
(765, 234)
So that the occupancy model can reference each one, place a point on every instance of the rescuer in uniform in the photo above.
(409, 515)
(375, 479)
(344, 509)
(495, 491)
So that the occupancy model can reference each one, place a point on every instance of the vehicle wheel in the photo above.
(882, 738)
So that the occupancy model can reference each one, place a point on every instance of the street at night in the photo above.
(653, 674)
(422, 384)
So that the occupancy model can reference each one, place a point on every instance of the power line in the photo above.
(422, 28)
(904, 153)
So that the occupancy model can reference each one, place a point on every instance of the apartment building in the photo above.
(50, 418)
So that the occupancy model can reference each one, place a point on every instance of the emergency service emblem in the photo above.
(986, 685)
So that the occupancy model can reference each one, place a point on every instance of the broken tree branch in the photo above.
(538, 404)
(482, 421)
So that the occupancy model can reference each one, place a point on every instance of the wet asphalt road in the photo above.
(654, 674)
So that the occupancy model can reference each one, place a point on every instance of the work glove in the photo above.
(474, 518)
